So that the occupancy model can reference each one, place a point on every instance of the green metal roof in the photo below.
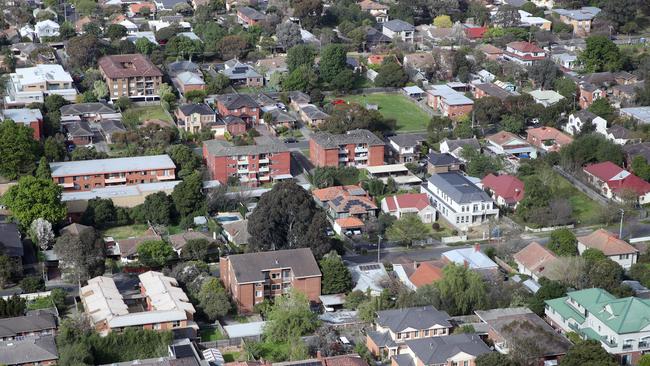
(627, 315)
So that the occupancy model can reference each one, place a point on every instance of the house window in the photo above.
(275, 275)
(623, 256)
(176, 324)
(157, 326)
(275, 287)
(426, 332)
(258, 293)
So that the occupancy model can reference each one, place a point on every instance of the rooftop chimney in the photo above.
(477, 247)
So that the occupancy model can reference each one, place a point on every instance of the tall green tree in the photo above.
(601, 54)
(461, 290)
(213, 300)
(155, 253)
(80, 255)
(602, 108)
(17, 150)
(333, 60)
(43, 171)
(32, 198)
(563, 243)
(188, 196)
(494, 359)
(157, 208)
(336, 276)
(391, 74)
(289, 318)
(408, 229)
(589, 352)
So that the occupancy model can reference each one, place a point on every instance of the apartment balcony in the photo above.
(165, 177)
(115, 180)
(67, 185)
(361, 157)
(264, 178)
(242, 162)
(343, 151)
(264, 161)
(359, 149)
(343, 158)
(263, 169)
(242, 171)
(644, 345)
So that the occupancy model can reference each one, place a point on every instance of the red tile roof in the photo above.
(606, 242)
(344, 360)
(525, 47)
(426, 274)
(510, 188)
(535, 258)
(350, 222)
(604, 171)
(537, 136)
(475, 32)
(407, 200)
(630, 183)
(329, 193)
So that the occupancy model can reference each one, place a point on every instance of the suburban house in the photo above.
(449, 102)
(251, 165)
(29, 350)
(617, 183)
(409, 203)
(346, 206)
(236, 232)
(11, 244)
(79, 133)
(524, 53)
(527, 19)
(358, 148)
(31, 118)
(232, 125)
(186, 81)
(46, 29)
(546, 98)
(547, 139)
(399, 30)
(312, 115)
(490, 90)
(253, 277)
(508, 327)
(455, 147)
(164, 305)
(619, 324)
(86, 175)
(507, 143)
(193, 117)
(589, 93)
(130, 75)
(242, 74)
(393, 328)
(249, 17)
(417, 274)
(239, 105)
(322, 196)
(35, 323)
(32, 84)
(613, 247)
(457, 349)
(534, 260)
(579, 119)
(377, 10)
(406, 148)
(579, 19)
(491, 52)
(442, 163)
(506, 190)
(471, 258)
(88, 112)
(459, 201)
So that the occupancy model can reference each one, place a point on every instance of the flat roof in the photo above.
(103, 166)
(119, 191)
(640, 113)
(245, 329)
(388, 168)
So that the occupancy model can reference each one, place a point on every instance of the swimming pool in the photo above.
(228, 218)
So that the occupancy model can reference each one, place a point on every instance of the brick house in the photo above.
(590, 93)
(449, 102)
(453, 350)
(547, 139)
(36, 323)
(617, 183)
(359, 148)
(253, 277)
(248, 16)
(29, 351)
(193, 117)
(79, 133)
(31, 118)
(239, 105)
(130, 75)
(85, 175)
(394, 327)
(251, 165)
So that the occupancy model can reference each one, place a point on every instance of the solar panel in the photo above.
(369, 267)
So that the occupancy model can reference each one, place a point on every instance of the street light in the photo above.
(379, 237)
(620, 229)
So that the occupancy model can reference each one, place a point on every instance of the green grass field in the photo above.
(210, 334)
(128, 231)
(152, 112)
(409, 117)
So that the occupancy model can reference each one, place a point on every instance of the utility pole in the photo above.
(620, 229)
(379, 237)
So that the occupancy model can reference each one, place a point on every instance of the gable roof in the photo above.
(426, 274)
(509, 187)
(33, 322)
(606, 171)
(535, 258)
(398, 320)
(236, 101)
(458, 187)
(251, 13)
(98, 166)
(329, 193)
(438, 159)
(606, 242)
(200, 108)
(504, 137)
(460, 143)
(439, 350)
(352, 204)
(470, 257)
(79, 109)
(408, 139)
(359, 136)
(525, 47)
(79, 129)
(249, 267)
(418, 201)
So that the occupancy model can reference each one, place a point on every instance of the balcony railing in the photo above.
(116, 180)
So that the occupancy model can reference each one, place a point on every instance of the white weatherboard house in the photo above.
(614, 248)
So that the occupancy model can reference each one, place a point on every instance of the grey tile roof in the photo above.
(110, 126)
(252, 13)
(101, 166)
(640, 149)
(438, 350)
(408, 139)
(79, 129)
(458, 187)
(200, 108)
(238, 230)
(85, 108)
(236, 101)
(438, 159)
(585, 13)
(381, 339)
(280, 116)
(493, 90)
(223, 148)
(178, 66)
(248, 267)
(313, 112)
(35, 322)
(329, 141)
(620, 132)
(397, 25)
(585, 116)
(455, 144)
(28, 350)
(418, 318)
(10, 242)
(240, 70)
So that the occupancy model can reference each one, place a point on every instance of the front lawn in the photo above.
(210, 334)
(409, 116)
(152, 112)
(125, 232)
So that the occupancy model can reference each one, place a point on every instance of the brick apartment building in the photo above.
(250, 278)
(132, 75)
(86, 175)
(239, 105)
(251, 165)
(31, 118)
(359, 148)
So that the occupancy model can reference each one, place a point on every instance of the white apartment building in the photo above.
(32, 84)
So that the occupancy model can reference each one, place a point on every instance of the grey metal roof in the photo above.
(35, 322)
(178, 66)
(313, 112)
(398, 25)
(408, 139)
(585, 13)
(110, 126)
(252, 13)
(10, 242)
(359, 136)
(240, 71)
(200, 108)
(417, 318)
(22, 115)
(29, 350)
(85, 108)
(438, 350)
(248, 267)
(438, 159)
(584, 116)
(223, 148)
(101, 166)
(493, 90)
(458, 187)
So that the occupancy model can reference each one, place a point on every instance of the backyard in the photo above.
(127, 231)
(409, 117)
(151, 112)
